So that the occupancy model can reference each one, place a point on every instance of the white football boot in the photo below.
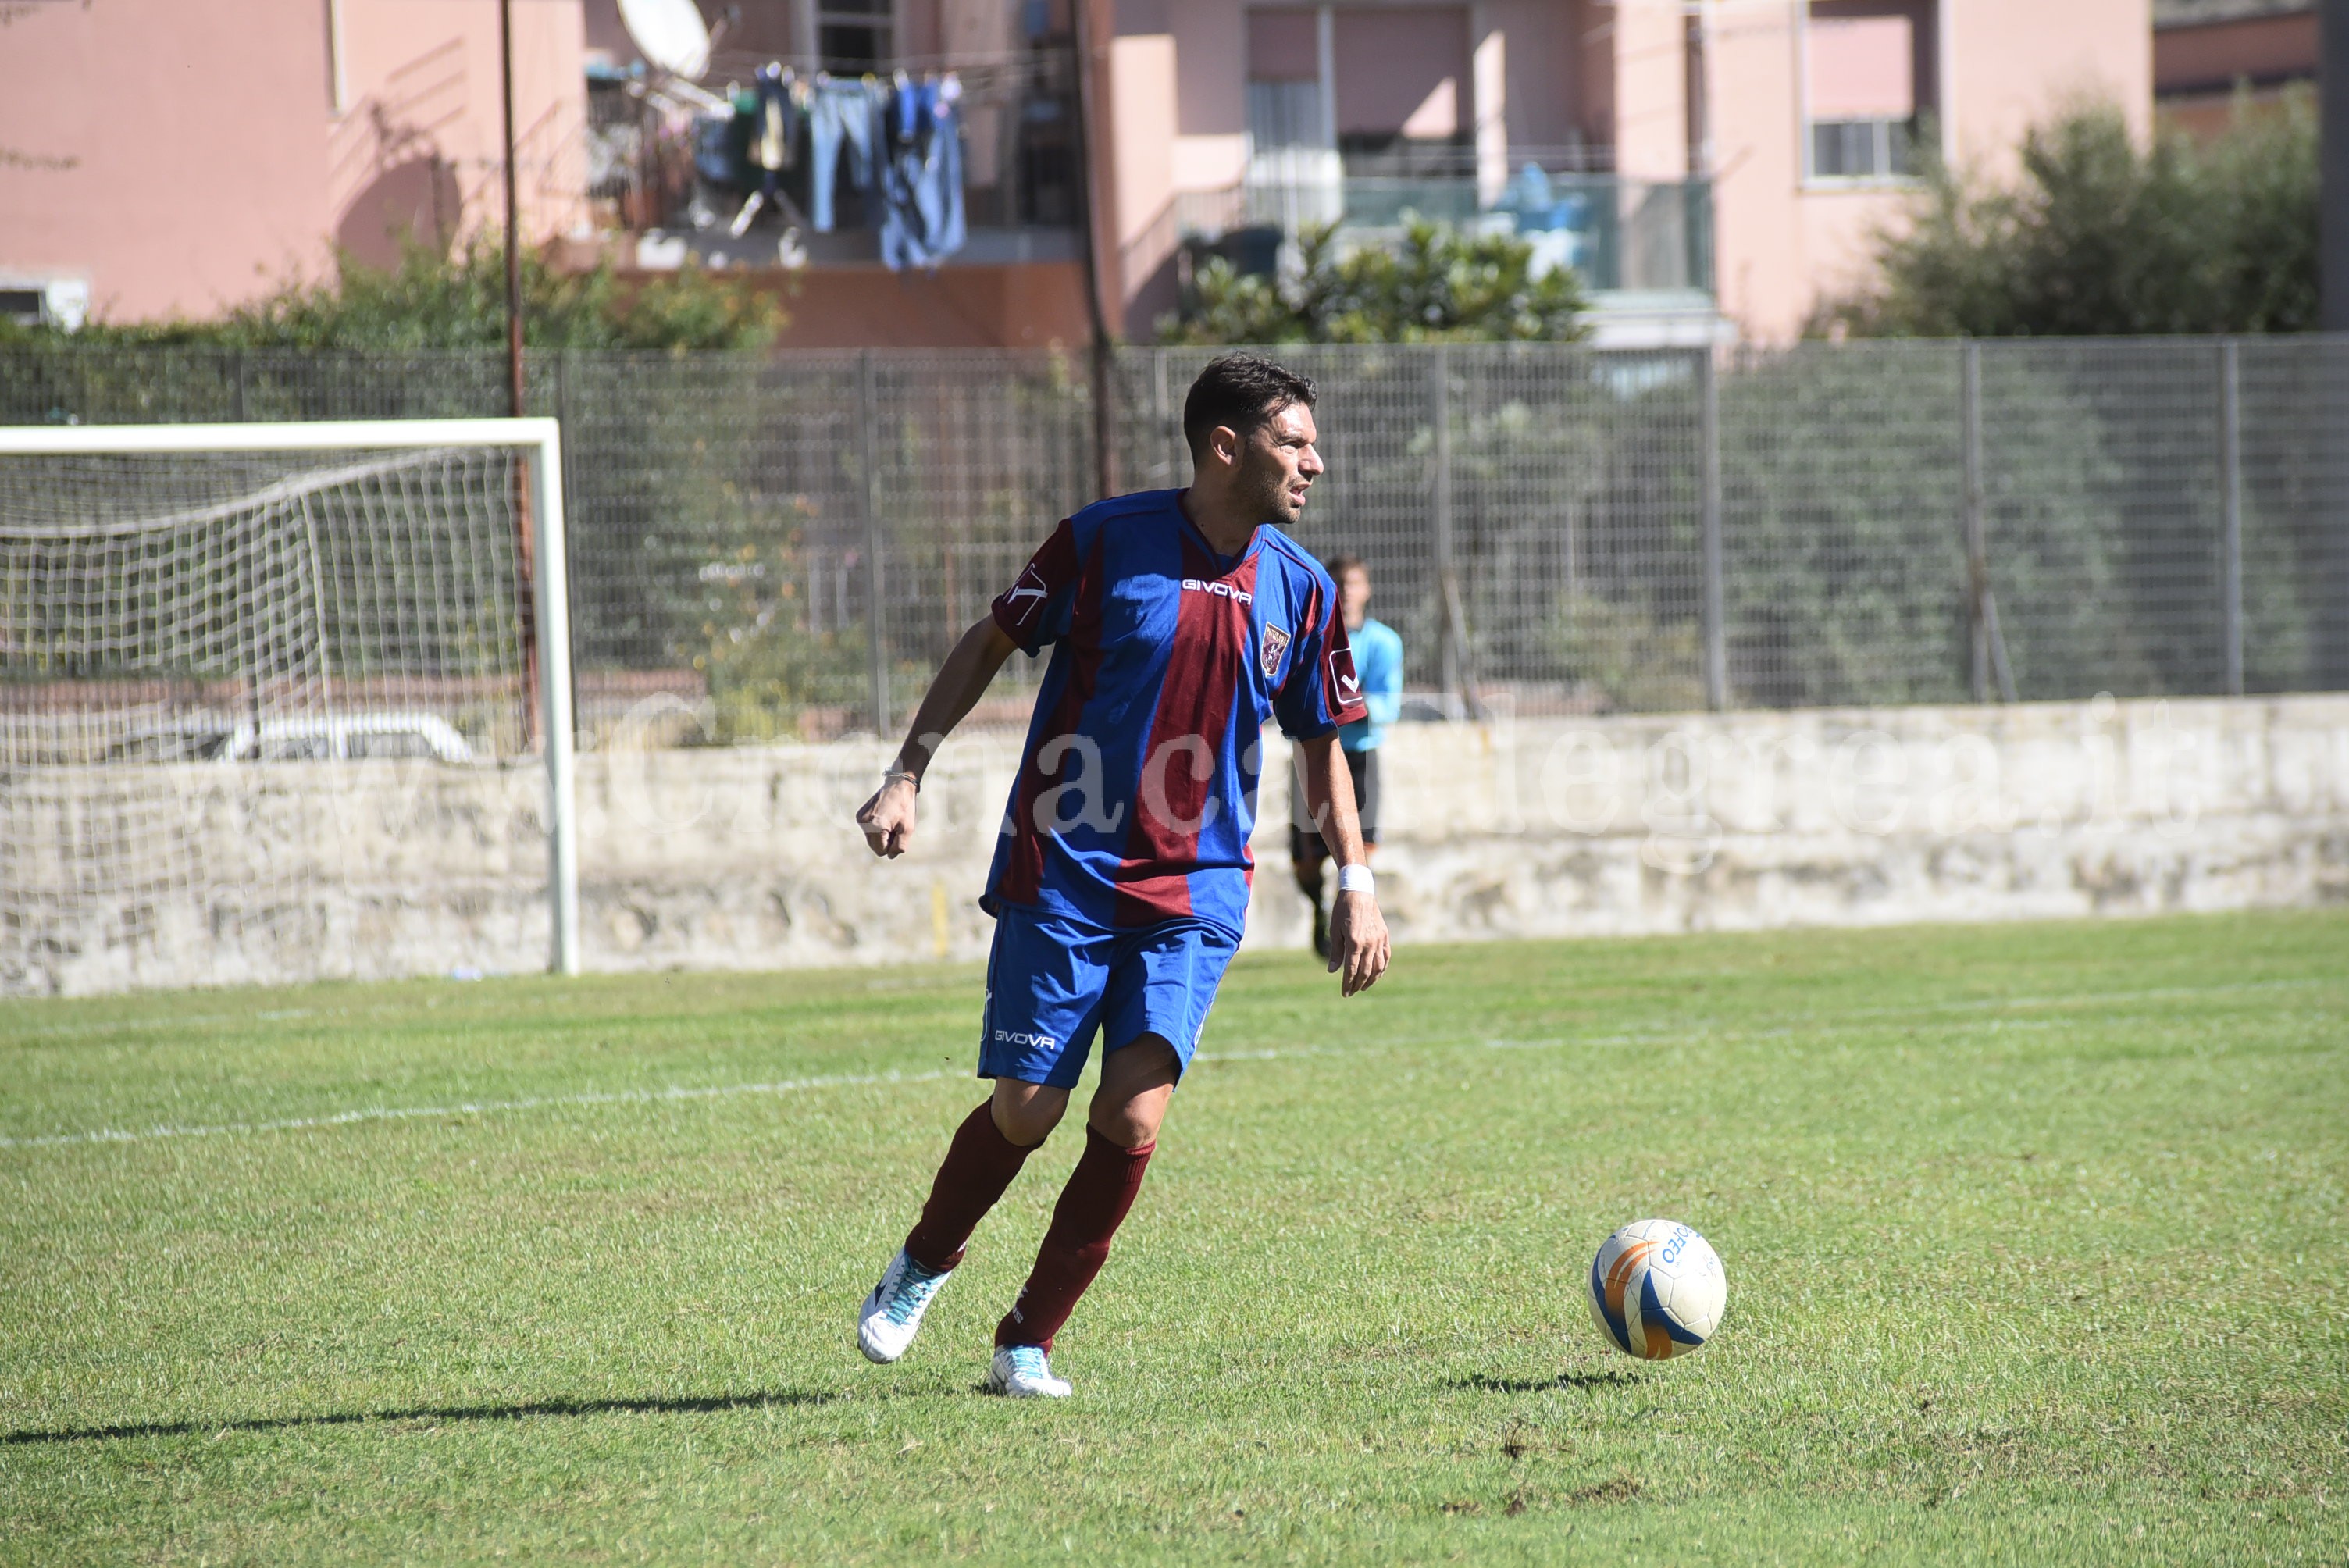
(892, 1315)
(1019, 1372)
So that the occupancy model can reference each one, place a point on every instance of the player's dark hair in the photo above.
(1240, 392)
(1337, 566)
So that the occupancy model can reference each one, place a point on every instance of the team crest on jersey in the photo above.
(1345, 685)
(1027, 593)
(1276, 643)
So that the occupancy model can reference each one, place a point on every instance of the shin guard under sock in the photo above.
(1091, 1206)
(979, 1164)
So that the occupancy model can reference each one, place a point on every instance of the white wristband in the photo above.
(1356, 879)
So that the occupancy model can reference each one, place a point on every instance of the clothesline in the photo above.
(787, 139)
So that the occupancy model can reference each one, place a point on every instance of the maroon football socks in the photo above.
(1100, 1191)
(979, 1164)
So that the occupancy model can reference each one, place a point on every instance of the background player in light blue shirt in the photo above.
(1378, 661)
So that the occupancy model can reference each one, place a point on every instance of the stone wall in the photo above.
(1556, 828)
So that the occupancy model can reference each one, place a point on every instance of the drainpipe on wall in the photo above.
(339, 77)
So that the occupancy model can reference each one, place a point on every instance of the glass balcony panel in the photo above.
(1617, 232)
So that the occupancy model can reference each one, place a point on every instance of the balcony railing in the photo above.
(1618, 231)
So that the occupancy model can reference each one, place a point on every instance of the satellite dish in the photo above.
(671, 33)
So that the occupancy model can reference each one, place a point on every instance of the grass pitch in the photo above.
(2035, 1240)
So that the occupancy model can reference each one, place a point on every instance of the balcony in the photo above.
(1623, 234)
(669, 165)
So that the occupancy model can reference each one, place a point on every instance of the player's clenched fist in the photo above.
(887, 819)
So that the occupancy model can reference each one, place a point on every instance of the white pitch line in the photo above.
(1695, 1032)
(471, 1108)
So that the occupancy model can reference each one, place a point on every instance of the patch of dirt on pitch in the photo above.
(1618, 1487)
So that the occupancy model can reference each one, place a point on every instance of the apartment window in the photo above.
(1403, 92)
(1284, 80)
(1869, 72)
(855, 35)
(48, 301)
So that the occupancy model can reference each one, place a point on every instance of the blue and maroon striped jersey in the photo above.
(1137, 790)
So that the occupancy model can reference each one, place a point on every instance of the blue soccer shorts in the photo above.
(1054, 982)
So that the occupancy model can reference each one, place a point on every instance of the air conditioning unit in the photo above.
(44, 301)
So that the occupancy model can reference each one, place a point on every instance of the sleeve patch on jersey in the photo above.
(1026, 595)
(1276, 643)
(1345, 685)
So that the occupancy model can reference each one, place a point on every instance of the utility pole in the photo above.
(1104, 368)
(525, 567)
(2333, 300)
(514, 214)
(2333, 226)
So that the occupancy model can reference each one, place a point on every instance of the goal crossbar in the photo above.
(540, 440)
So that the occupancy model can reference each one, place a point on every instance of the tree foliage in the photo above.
(431, 301)
(1438, 285)
(2101, 236)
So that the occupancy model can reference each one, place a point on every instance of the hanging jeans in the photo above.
(841, 112)
(922, 223)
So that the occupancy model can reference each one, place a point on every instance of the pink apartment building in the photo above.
(1780, 131)
(1713, 166)
(163, 158)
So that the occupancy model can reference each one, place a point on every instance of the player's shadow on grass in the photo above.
(1479, 1383)
(702, 1405)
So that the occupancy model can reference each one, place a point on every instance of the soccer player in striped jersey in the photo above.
(1180, 621)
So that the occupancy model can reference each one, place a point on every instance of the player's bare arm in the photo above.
(887, 819)
(1358, 931)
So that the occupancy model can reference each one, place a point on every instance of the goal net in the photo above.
(282, 702)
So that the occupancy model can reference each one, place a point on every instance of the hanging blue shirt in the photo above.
(1378, 659)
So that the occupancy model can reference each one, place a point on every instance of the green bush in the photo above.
(431, 301)
(1845, 577)
(1624, 655)
(1438, 285)
(2101, 236)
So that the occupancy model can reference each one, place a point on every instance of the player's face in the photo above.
(1281, 464)
(1354, 597)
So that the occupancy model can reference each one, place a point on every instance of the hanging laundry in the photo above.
(843, 114)
(774, 144)
(770, 146)
(786, 140)
(922, 217)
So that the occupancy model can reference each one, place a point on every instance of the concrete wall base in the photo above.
(747, 858)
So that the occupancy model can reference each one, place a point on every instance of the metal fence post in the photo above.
(1977, 546)
(868, 502)
(1716, 634)
(1439, 414)
(2231, 511)
(1169, 429)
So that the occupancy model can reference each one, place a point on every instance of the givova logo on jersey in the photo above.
(1220, 590)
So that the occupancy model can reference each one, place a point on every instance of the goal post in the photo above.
(170, 593)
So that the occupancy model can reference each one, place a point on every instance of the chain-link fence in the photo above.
(1551, 529)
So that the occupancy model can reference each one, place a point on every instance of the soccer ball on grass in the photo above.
(1657, 1290)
